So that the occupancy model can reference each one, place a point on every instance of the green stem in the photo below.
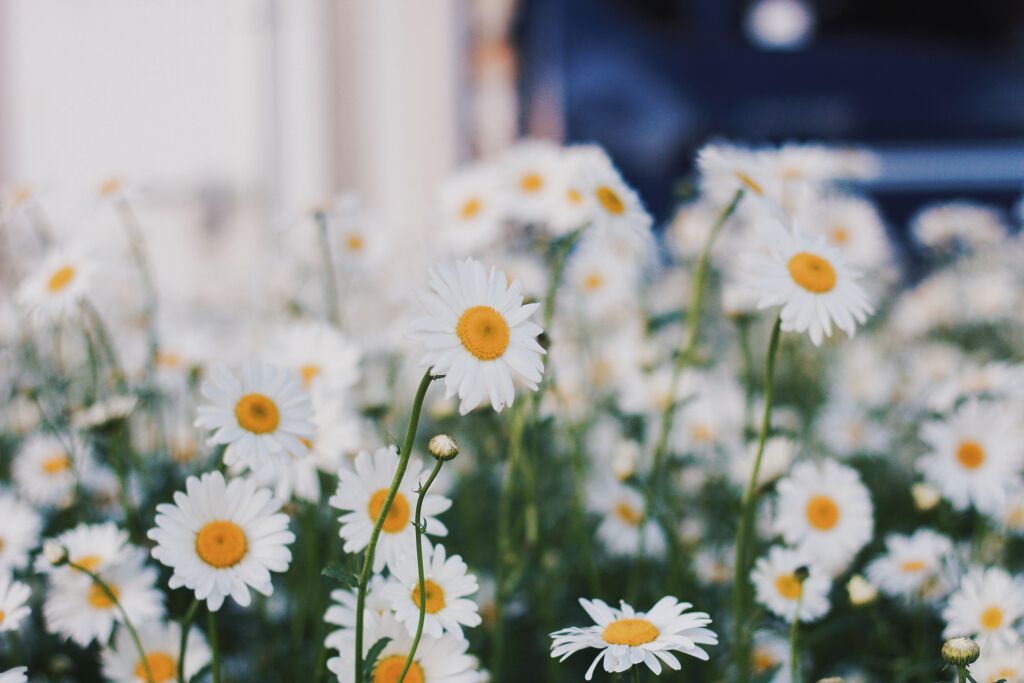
(124, 616)
(186, 626)
(329, 276)
(403, 463)
(419, 568)
(794, 633)
(105, 341)
(740, 578)
(961, 674)
(211, 623)
(635, 673)
(137, 244)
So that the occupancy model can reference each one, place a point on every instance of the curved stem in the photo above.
(211, 621)
(186, 626)
(740, 579)
(124, 615)
(419, 568)
(403, 463)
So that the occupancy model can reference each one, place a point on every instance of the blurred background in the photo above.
(235, 114)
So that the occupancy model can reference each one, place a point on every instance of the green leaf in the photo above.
(341, 575)
(371, 657)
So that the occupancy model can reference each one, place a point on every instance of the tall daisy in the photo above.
(629, 638)
(56, 287)
(14, 607)
(222, 538)
(989, 604)
(361, 494)
(913, 566)
(825, 510)
(19, 533)
(810, 281)
(262, 416)
(161, 643)
(446, 584)
(778, 588)
(477, 333)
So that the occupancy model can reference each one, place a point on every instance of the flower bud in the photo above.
(925, 496)
(960, 651)
(801, 573)
(862, 591)
(443, 447)
(55, 553)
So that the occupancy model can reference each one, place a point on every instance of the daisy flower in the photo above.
(161, 643)
(952, 224)
(16, 675)
(810, 281)
(358, 239)
(999, 662)
(624, 525)
(777, 587)
(222, 538)
(262, 416)
(437, 660)
(853, 226)
(529, 172)
(616, 208)
(472, 214)
(92, 546)
(626, 637)
(975, 455)
(14, 597)
(46, 470)
(602, 278)
(446, 585)
(769, 657)
(988, 605)
(342, 611)
(779, 452)
(573, 206)
(325, 360)
(478, 335)
(361, 494)
(726, 169)
(20, 532)
(912, 565)
(847, 429)
(825, 511)
(56, 287)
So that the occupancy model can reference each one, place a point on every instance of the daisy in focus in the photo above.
(222, 538)
(446, 587)
(161, 643)
(988, 605)
(629, 638)
(262, 416)
(477, 333)
(777, 586)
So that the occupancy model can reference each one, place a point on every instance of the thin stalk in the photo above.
(635, 673)
(105, 342)
(794, 634)
(124, 616)
(211, 627)
(419, 567)
(137, 244)
(740, 579)
(186, 626)
(403, 463)
(329, 276)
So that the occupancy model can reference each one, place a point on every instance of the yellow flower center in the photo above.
(355, 243)
(110, 186)
(90, 562)
(762, 661)
(60, 279)
(630, 632)
(161, 664)
(398, 514)
(822, 513)
(573, 196)
(610, 200)
(701, 433)
(992, 618)
(840, 235)
(483, 332)
(98, 597)
(22, 195)
(221, 544)
(435, 596)
(168, 359)
(812, 272)
(1007, 673)
(749, 183)
(628, 514)
(531, 182)
(390, 668)
(56, 464)
(788, 586)
(2, 616)
(912, 566)
(309, 373)
(971, 455)
(470, 209)
(257, 413)
(593, 282)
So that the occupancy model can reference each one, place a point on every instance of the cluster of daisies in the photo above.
(642, 415)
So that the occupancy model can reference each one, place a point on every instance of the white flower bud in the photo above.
(862, 591)
(443, 447)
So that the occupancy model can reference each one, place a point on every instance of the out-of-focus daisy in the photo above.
(446, 586)
(262, 417)
(625, 527)
(974, 380)
(342, 611)
(852, 226)
(477, 333)
(14, 607)
(572, 205)
(161, 643)
(777, 587)
(847, 429)
(912, 566)
(616, 208)
(988, 605)
(975, 455)
(325, 360)
(600, 278)
(56, 287)
(529, 180)
(361, 494)
(714, 566)
(359, 241)
(769, 656)
(779, 452)
(810, 281)
(437, 660)
(47, 468)
(825, 510)
(629, 638)
(92, 546)
(999, 663)
(472, 211)
(19, 534)
(726, 169)
(16, 675)
(710, 416)
(222, 538)
(958, 223)
(103, 413)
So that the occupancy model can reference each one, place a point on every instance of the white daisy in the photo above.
(358, 238)
(714, 566)
(56, 287)
(92, 546)
(161, 643)
(573, 206)
(626, 637)
(777, 587)
(222, 538)
(602, 278)
(912, 566)
(362, 492)
(20, 532)
(710, 416)
(342, 611)
(952, 224)
(616, 208)
(262, 417)
(16, 675)
(472, 211)
(999, 663)
(779, 452)
(988, 605)
(477, 333)
(14, 607)
(975, 455)
(529, 173)
(853, 226)
(825, 510)
(47, 468)
(437, 660)
(811, 283)
(446, 584)
(847, 429)
(625, 527)
(769, 656)
(325, 360)
(726, 169)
